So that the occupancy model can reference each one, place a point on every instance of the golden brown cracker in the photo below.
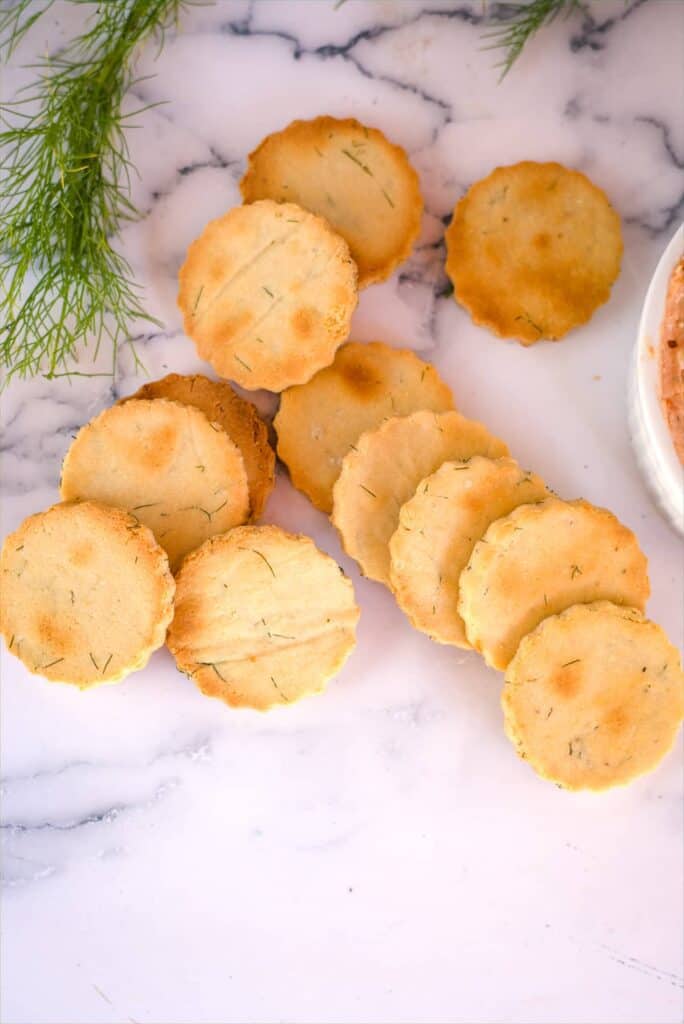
(262, 617)
(319, 422)
(383, 471)
(87, 593)
(540, 560)
(438, 528)
(352, 175)
(167, 464)
(594, 696)
(238, 417)
(267, 292)
(533, 250)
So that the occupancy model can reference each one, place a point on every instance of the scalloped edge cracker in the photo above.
(533, 250)
(267, 293)
(352, 175)
(87, 593)
(320, 421)
(594, 697)
(385, 468)
(262, 617)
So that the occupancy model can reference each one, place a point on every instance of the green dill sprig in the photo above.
(65, 189)
(525, 19)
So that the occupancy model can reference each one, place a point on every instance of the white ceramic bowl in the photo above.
(651, 438)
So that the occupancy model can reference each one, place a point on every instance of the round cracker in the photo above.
(438, 529)
(350, 174)
(384, 470)
(320, 421)
(87, 594)
(262, 617)
(267, 292)
(540, 560)
(167, 464)
(238, 417)
(594, 696)
(533, 250)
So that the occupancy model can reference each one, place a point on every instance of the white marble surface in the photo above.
(377, 854)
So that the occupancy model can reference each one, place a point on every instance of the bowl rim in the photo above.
(658, 436)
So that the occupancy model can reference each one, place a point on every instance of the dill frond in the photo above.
(525, 20)
(64, 189)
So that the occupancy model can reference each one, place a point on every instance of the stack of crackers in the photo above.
(478, 552)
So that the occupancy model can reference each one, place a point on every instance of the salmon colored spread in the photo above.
(672, 359)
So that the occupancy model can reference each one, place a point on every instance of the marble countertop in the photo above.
(377, 855)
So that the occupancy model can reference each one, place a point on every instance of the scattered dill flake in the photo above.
(262, 557)
(354, 159)
(279, 690)
(199, 296)
(93, 661)
(528, 319)
(212, 665)
(104, 667)
(367, 490)
(387, 197)
(575, 571)
(51, 663)
(242, 362)
(268, 291)
(575, 661)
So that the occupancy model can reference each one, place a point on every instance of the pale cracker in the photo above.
(262, 617)
(594, 696)
(538, 561)
(438, 528)
(238, 417)
(87, 594)
(267, 292)
(384, 470)
(320, 421)
(167, 464)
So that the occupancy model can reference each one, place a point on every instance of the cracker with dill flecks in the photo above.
(533, 250)
(262, 617)
(267, 292)
(383, 471)
(352, 175)
(166, 463)
(239, 418)
(87, 593)
(438, 529)
(594, 696)
(539, 560)
(320, 421)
